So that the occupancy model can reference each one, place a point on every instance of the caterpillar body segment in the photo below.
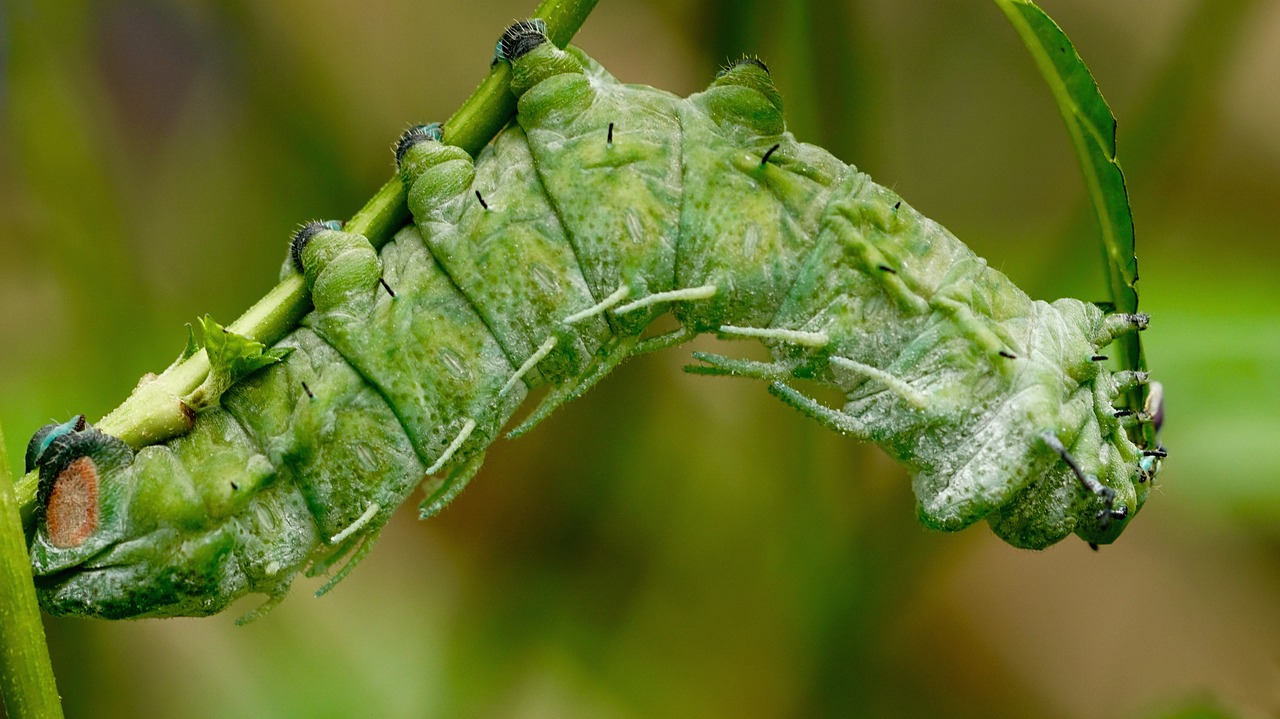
(427, 351)
(519, 238)
(593, 139)
(542, 262)
(754, 200)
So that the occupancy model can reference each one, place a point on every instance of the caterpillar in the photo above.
(543, 262)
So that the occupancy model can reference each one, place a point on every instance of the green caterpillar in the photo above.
(542, 262)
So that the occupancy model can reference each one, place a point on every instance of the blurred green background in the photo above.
(670, 545)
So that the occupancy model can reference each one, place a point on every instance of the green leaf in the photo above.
(193, 345)
(232, 357)
(1092, 128)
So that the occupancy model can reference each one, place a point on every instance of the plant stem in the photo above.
(154, 412)
(26, 676)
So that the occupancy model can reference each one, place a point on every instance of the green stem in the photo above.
(26, 676)
(154, 412)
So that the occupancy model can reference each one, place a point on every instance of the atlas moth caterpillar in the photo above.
(542, 262)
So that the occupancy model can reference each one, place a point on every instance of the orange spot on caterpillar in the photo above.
(72, 513)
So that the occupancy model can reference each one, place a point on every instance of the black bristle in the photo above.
(300, 240)
(415, 135)
(754, 61)
(522, 37)
(387, 287)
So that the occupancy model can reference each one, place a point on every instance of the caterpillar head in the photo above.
(1125, 471)
(1090, 479)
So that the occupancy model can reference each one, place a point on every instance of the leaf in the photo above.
(1092, 128)
(193, 345)
(232, 357)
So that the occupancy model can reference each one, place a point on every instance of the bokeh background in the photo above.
(672, 545)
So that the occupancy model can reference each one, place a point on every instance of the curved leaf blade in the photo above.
(1092, 128)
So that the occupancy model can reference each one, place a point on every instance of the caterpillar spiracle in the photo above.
(542, 262)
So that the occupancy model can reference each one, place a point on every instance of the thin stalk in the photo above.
(26, 676)
(154, 411)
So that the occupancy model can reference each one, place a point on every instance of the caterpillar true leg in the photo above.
(1128, 379)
